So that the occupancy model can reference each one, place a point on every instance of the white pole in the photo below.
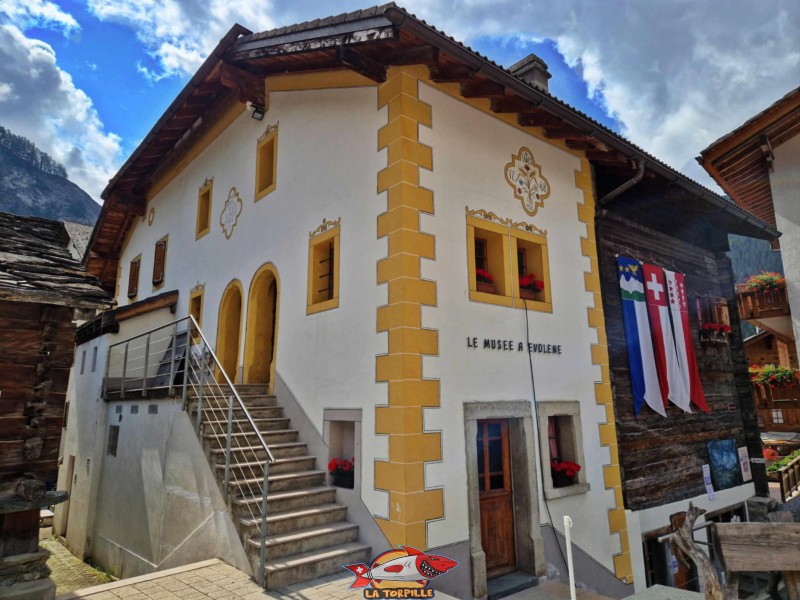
(567, 527)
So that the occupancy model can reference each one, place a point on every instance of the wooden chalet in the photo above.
(43, 290)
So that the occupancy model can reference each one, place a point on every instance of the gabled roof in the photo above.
(36, 266)
(369, 42)
(740, 161)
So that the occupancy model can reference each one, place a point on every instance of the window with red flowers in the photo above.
(562, 449)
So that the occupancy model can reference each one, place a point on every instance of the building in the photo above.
(389, 243)
(758, 165)
(43, 290)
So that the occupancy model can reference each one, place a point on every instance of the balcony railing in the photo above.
(789, 478)
(762, 304)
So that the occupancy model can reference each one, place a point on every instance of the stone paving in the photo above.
(215, 580)
(67, 570)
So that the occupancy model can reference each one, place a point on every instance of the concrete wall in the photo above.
(159, 505)
(785, 183)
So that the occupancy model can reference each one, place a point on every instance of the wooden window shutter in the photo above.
(160, 262)
(133, 278)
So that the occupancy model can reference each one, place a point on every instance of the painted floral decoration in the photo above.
(766, 280)
(529, 282)
(773, 375)
(340, 466)
(568, 468)
(483, 276)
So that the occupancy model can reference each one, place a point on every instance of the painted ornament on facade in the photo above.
(525, 176)
(230, 213)
(151, 216)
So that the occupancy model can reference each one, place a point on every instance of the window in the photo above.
(66, 415)
(133, 277)
(152, 409)
(160, 262)
(560, 432)
(83, 361)
(196, 309)
(777, 416)
(203, 225)
(507, 265)
(323, 271)
(94, 359)
(134, 409)
(113, 440)
(266, 163)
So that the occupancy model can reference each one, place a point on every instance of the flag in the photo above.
(673, 385)
(644, 377)
(676, 288)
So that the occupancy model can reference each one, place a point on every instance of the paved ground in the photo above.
(68, 571)
(215, 580)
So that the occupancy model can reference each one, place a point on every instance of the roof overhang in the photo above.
(741, 161)
(367, 42)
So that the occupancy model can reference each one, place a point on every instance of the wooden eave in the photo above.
(369, 42)
(740, 161)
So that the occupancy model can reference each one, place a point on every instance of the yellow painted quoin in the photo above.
(411, 505)
(612, 475)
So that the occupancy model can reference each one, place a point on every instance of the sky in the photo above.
(86, 80)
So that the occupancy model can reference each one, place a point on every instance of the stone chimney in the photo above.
(533, 70)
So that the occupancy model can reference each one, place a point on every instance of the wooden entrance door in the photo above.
(496, 497)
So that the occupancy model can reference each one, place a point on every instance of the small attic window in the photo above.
(266, 163)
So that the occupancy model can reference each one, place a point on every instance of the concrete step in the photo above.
(285, 501)
(248, 439)
(216, 424)
(249, 400)
(309, 565)
(258, 454)
(245, 469)
(251, 388)
(282, 481)
(294, 520)
(257, 412)
(305, 540)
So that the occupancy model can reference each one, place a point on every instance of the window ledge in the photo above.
(202, 233)
(322, 306)
(534, 305)
(267, 190)
(571, 490)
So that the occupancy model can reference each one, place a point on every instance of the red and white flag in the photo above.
(673, 385)
(676, 288)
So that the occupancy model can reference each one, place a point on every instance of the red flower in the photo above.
(770, 454)
(529, 282)
(483, 276)
(341, 465)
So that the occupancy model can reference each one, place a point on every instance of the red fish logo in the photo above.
(405, 567)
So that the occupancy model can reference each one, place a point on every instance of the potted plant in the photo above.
(485, 281)
(714, 334)
(529, 286)
(564, 472)
(774, 376)
(342, 471)
(765, 281)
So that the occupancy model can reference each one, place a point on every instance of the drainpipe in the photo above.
(625, 186)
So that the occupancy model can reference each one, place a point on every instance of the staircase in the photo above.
(308, 535)
(299, 532)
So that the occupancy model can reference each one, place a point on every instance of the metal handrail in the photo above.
(199, 374)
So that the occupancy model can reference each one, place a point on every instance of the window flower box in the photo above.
(484, 282)
(342, 471)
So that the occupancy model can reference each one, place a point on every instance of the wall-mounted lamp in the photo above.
(258, 112)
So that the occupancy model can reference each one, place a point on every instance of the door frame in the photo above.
(529, 545)
(224, 328)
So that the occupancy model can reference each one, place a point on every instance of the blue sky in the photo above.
(87, 80)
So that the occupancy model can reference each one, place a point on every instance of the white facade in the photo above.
(327, 166)
(785, 183)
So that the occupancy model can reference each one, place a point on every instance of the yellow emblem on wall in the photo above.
(525, 176)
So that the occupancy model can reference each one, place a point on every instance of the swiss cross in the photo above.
(655, 287)
(359, 570)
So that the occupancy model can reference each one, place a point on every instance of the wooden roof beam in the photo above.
(451, 73)
(481, 89)
(511, 104)
(249, 87)
(130, 203)
(538, 119)
(416, 55)
(361, 64)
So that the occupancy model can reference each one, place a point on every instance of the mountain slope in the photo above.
(31, 184)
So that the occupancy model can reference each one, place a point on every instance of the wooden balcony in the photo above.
(778, 407)
(755, 305)
(789, 479)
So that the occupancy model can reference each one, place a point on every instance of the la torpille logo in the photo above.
(401, 573)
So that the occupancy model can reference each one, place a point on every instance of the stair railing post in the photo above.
(174, 354)
(105, 381)
(124, 371)
(228, 450)
(199, 415)
(262, 551)
(146, 361)
(187, 353)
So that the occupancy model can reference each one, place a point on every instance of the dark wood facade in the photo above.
(662, 458)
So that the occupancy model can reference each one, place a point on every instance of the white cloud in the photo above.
(43, 104)
(36, 13)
